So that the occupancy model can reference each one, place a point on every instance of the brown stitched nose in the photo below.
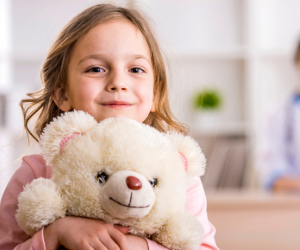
(133, 183)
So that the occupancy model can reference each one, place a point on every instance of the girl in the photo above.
(106, 62)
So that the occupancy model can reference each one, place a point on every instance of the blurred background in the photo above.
(231, 63)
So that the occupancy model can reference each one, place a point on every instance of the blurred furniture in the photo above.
(227, 161)
(251, 220)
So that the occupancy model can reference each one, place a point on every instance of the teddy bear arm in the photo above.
(40, 204)
(181, 232)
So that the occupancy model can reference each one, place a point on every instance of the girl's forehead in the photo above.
(116, 38)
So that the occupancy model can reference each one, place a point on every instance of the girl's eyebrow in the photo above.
(140, 57)
(94, 56)
(99, 57)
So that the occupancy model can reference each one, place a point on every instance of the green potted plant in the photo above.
(207, 103)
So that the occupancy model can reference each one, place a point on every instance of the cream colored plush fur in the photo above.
(118, 147)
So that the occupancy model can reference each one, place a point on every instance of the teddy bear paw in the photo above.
(181, 232)
(40, 204)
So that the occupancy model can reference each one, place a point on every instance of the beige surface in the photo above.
(253, 220)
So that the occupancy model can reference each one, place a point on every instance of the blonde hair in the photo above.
(55, 70)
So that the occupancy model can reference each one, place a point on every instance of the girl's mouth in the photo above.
(116, 104)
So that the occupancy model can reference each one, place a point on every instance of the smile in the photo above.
(128, 203)
(117, 104)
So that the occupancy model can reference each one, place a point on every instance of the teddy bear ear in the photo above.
(190, 153)
(62, 129)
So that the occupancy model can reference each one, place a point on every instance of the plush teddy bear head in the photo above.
(119, 170)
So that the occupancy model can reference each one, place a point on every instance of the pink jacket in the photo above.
(34, 166)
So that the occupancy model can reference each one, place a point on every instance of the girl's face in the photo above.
(110, 73)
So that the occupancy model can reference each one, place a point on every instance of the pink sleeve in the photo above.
(11, 236)
(196, 205)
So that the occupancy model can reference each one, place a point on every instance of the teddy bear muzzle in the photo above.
(127, 194)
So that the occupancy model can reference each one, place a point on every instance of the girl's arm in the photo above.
(84, 234)
(11, 236)
(196, 205)
(136, 243)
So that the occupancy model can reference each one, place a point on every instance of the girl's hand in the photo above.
(79, 233)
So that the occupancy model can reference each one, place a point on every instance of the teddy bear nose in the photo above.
(133, 183)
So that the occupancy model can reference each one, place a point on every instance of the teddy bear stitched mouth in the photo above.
(128, 203)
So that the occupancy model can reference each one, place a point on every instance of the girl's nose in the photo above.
(117, 82)
(133, 183)
(116, 88)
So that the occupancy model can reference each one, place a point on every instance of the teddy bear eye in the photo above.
(153, 182)
(102, 177)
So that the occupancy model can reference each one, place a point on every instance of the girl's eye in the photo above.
(102, 177)
(137, 70)
(153, 182)
(95, 70)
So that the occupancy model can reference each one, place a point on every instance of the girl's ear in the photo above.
(61, 99)
(152, 107)
(61, 130)
(193, 160)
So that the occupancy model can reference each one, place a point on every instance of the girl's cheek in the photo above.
(146, 93)
(87, 89)
(90, 83)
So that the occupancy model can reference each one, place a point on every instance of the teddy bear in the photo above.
(119, 171)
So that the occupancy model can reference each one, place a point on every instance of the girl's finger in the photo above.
(108, 242)
(123, 230)
(119, 238)
(97, 245)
